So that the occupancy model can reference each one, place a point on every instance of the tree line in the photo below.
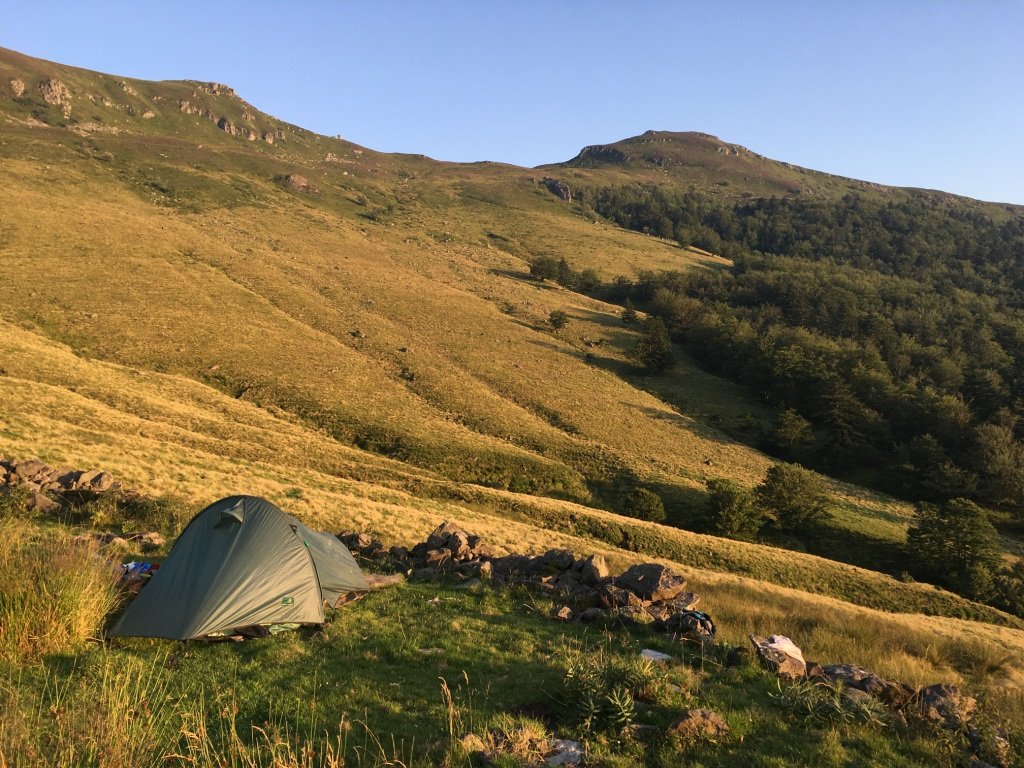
(888, 334)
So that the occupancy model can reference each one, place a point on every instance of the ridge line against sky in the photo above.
(917, 93)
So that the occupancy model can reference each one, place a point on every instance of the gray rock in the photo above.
(42, 504)
(298, 183)
(612, 597)
(946, 705)
(590, 615)
(594, 570)
(439, 536)
(779, 655)
(564, 752)
(54, 91)
(558, 188)
(684, 601)
(438, 558)
(652, 581)
(564, 613)
(893, 694)
(96, 480)
(30, 469)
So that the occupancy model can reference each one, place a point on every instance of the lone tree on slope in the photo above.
(955, 544)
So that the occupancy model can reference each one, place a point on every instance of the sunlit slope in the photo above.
(435, 353)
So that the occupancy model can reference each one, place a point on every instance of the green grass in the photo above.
(371, 687)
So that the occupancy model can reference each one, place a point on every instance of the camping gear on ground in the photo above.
(242, 562)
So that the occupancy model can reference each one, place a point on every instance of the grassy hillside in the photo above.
(356, 337)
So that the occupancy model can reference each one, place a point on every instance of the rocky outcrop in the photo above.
(649, 594)
(17, 87)
(227, 126)
(298, 183)
(946, 705)
(56, 93)
(40, 478)
(558, 188)
(127, 88)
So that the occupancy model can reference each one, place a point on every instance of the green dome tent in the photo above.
(241, 562)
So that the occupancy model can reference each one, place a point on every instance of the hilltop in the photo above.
(204, 299)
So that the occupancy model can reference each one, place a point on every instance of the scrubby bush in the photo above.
(14, 502)
(558, 319)
(54, 594)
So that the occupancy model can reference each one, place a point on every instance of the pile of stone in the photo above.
(648, 593)
(43, 481)
(941, 704)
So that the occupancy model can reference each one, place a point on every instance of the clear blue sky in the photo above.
(926, 93)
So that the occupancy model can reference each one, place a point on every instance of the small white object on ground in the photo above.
(653, 655)
(566, 752)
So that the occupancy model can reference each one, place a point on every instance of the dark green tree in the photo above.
(653, 352)
(795, 498)
(566, 276)
(793, 434)
(629, 315)
(1009, 589)
(731, 510)
(955, 545)
(644, 504)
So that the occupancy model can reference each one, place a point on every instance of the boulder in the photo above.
(439, 536)
(692, 626)
(699, 725)
(611, 596)
(54, 91)
(891, 693)
(42, 504)
(437, 558)
(564, 613)
(298, 183)
(652, 581)
(780, 655)
(17, 87)
(558, 188)
(946, 705)
(556, 561)
(590, 615)
(96, 480)
(684, 601)
(594, 570)
(29, 470)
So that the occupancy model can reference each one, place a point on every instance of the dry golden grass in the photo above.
(175, 436)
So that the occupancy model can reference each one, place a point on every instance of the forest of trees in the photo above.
(889, 335)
